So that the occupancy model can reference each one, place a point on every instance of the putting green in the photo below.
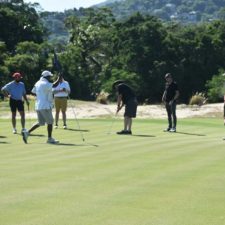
(149, 178)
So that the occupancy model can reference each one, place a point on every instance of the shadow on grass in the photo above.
(193, 134)
(142, 135)
(2, 136)
(70, 144)
(71, 129)
(37, 135)
(4, 142)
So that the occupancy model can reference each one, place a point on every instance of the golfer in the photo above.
(61, 91)
(126, 96)
(43, 105)
(169, 98)
(16, 92)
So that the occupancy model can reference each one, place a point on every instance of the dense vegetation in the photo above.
(180, 10)
(101, 49)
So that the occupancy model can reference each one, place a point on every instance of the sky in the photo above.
(61, 5)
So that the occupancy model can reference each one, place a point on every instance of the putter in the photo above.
(113, 121)
(78, 124)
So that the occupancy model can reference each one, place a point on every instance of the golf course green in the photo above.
(148, 178)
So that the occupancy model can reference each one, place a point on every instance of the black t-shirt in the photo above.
(126, 92)
(171, 91)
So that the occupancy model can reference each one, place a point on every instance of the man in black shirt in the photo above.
(126, 96)
(170, 96)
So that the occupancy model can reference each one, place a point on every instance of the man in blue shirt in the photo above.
(16, 92)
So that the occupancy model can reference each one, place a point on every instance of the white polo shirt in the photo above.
(44, 96)
(58, 89)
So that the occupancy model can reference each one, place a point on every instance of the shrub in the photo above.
(198, 99)
(102, 97)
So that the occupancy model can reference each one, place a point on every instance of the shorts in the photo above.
(61, 103)
(45, 116)
(131, 108)
(16, 105)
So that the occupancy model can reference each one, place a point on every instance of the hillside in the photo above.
(180, 10)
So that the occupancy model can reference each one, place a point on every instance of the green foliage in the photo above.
(216, 87)
(19, 22)
(178, 10)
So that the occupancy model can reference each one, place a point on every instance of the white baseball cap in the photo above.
(46, 73)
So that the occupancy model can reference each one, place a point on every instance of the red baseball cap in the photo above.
(17, 75)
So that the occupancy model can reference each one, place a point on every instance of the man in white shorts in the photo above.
(43, 105)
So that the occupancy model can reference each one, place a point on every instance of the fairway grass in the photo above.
(149, 178)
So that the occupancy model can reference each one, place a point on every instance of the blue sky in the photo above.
(61, 5)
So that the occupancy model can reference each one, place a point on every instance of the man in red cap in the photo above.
(16, 92)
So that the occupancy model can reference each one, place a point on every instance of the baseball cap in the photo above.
(17, 75)
(117, 82)
(46, 73)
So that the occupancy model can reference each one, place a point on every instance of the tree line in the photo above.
(101, 49)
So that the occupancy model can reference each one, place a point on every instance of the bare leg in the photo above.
(49, 128)
(22, 115)
(129, 123)
(34, 127)
(14, 119)
(64, 117)
(57, 117)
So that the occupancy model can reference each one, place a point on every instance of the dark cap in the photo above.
(117, 82)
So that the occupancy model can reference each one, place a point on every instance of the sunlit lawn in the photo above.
(149, 178)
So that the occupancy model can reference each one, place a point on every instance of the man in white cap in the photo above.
(43, 105)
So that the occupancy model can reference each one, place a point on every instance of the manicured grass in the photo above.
(149, 178)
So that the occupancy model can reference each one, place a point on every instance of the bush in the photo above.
(198, 99)
(216, 88)
(102, 97)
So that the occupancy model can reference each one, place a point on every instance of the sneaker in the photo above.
(124, 132)
(52, 141)
(64, 127)
(24, 129)
(25, 135)
(167, 129)
(56, 126)
(14, 131)
(172, 130)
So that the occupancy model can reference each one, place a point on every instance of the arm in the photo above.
(175, 97)
(119, 103)
(26, 99)
(164, 97)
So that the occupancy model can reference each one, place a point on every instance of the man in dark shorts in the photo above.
(126, 96)
(169, 98)
(16, 92)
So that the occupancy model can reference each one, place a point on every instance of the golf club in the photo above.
(113, 121)
(72, 105)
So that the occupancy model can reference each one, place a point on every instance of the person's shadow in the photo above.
(3, 142)
(142, 135)
(71, 129)
(193, 134)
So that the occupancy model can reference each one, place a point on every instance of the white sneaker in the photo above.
(52, 141)
(25, 135)
(56, 126)
(14, 131)
(173, 130)
(64, 127)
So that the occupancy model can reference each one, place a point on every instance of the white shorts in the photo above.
(45, 116)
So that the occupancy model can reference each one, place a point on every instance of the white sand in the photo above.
(95, 110)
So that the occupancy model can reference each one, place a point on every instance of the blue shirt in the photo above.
(16, 90)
